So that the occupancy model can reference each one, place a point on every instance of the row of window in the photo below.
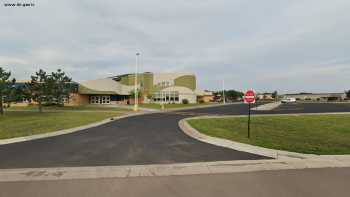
(100, 99)
(169, 96)
(165, 83)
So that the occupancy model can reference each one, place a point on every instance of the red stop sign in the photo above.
(249, 97)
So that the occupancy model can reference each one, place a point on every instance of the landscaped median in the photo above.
(26, 121)
(311, 134)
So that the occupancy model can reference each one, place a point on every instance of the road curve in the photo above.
(146, 139)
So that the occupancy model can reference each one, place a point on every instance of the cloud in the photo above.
(265, 45)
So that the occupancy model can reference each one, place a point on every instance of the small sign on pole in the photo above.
(249, 97)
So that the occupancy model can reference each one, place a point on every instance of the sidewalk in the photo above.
(217, 167)
(323, 182)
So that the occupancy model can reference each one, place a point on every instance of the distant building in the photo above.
(153, 87)
(317, 96)
(264, 96)
(205, 96)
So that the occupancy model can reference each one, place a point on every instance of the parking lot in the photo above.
(312, 108)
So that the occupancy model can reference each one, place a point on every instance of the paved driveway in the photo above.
(146, 139)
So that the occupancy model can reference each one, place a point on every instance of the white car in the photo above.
(289, 100)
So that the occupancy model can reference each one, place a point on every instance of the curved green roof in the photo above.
(85, 90)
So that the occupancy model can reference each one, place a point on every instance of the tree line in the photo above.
(230, 95)
(43, 88)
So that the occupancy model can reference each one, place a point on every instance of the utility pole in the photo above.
(223, 91)
(163, 98)
(136, 95)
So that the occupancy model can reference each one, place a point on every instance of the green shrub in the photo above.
(185, 101)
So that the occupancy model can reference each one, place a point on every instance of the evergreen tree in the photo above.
(6, 86)
(40, 88)
(61, 86)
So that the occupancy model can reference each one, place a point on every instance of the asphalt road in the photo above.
(146, 139)
(324, 182)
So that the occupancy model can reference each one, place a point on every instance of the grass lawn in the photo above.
(66, 108)
(171, 106)
(24, 123)
(316, 134)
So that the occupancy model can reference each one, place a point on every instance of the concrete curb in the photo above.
(67, 131)
(69, 173)
(178, 109)
(140, 108)
(267, 107)
(198, 107)
(186, 128)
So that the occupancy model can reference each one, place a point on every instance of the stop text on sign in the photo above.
(249, 97)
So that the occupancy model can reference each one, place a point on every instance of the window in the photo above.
(165, 83)
(65, 99)
(100, 99)
(106, 100)
(166, 96)
(94, 99)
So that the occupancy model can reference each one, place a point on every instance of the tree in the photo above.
(40, 87)
(5, 87)
(275, 94)
(61, 86)
(231, 94)
(20, 93)
(10, 93)
(50, 88)
(348, 94)
(132, 94)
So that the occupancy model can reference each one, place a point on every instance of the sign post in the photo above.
(249, 121)
(249, 97)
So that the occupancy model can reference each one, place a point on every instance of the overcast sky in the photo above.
(285, 45)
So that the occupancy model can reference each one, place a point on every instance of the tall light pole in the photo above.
(223, 91)
(136, 95)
